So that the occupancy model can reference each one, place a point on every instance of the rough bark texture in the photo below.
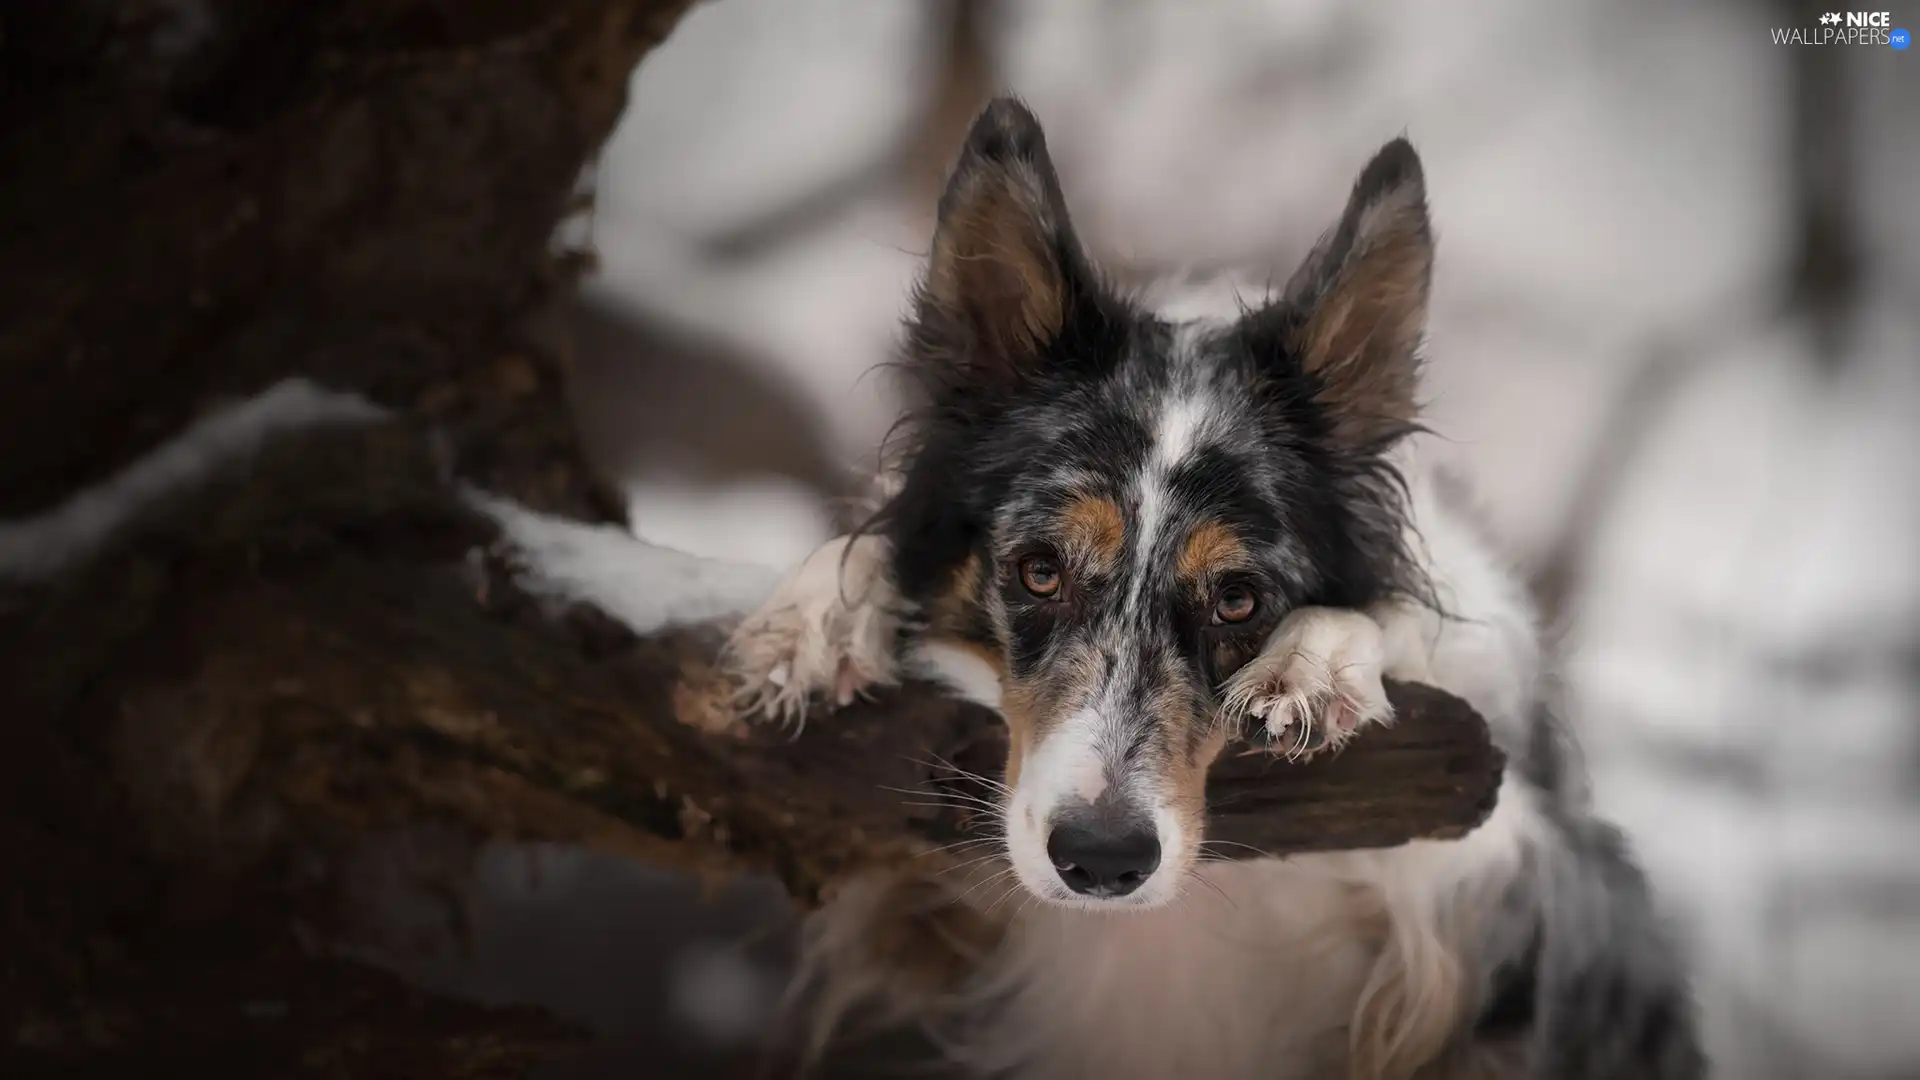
(363, 191)
(328, 645)
(373, 181)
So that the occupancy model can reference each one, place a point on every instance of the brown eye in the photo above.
(1040, 576)
(1235, 605)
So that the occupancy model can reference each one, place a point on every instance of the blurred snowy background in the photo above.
(1676, 337)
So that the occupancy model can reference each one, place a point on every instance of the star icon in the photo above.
(1831, 18)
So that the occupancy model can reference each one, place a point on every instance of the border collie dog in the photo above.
(1141, 531)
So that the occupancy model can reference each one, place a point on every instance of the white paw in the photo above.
(829, 631)
(1316, 683)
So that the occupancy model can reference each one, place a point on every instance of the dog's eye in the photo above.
(1040, 576)
(1236, 604)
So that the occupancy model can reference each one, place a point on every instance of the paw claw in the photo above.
(1317, 683)
(825, 635)
(846, 684)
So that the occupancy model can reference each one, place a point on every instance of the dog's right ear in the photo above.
(1006, 273)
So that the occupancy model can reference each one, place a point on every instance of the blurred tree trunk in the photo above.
(197, 200)
(201, 198)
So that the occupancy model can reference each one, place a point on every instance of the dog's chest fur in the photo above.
(1255, 977)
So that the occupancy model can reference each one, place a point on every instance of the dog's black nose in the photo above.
(1096, 858)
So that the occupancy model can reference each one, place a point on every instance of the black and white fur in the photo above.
(1163, 458)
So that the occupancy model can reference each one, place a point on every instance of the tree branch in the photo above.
(333, 643)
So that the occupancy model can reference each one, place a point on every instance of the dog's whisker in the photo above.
(940, 793)
(1203, 879)
(958, 846)
(1016, 887)
(1026, 903)
(947, 797)
(935, 761)
(985, 881)
(988, 809)
(988, 857)
(987, 813)
(1234, 843)
(955, 773)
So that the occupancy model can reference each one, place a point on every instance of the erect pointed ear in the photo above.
(1003, 277)
(1359, 302)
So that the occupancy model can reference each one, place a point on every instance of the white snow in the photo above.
(767, 521)
(69, 534)
(645, 586)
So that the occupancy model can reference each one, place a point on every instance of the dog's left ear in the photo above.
(1358, 305)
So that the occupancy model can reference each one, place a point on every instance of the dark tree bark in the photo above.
(328, 644)
(372, 181)
(363, 191)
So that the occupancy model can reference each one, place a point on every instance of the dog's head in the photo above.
(1114, 509)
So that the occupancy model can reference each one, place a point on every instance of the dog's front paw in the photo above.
(829, 631)
(1315, 684)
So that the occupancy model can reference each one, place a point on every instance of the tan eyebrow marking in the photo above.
(1093, 527)
(1210, 549)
